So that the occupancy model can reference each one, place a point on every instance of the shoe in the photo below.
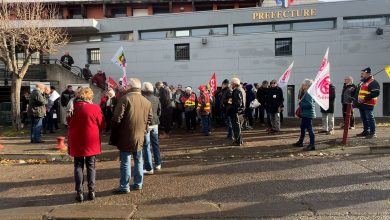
(363, 134)
(52, 132)
(370, 136)
(91, 195)
(274, 132)
(322, 131)
(150, 172)
(309, 148)
(330, 132)
(352, 128)
(79, 197)
(158, 167)
(137, 187)
(268, 130)
(298, 144)
(249, 127)
(118, 191)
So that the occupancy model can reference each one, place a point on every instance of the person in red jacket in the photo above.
(84, 140)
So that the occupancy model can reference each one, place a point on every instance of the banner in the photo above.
(111, 83)
(212, 85)
(283, 80)
(387, 69)
(319, 90)
(120, 60)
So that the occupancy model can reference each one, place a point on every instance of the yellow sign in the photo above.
(290, 13)
(387, 69)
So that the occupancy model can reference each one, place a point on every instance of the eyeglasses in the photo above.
(273, 83)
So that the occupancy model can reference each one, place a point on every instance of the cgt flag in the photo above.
(212, 85)
(283, 80)
(120, 60)
(319, 90)
(112, 83)
(387, 69)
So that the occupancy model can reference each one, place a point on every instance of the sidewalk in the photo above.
(193, 145)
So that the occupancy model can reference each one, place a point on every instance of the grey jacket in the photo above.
(36, 107)
(156, 107)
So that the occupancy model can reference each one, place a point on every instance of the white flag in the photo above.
(283, 80)
(120, 60)
(319, 90)
(325, 61)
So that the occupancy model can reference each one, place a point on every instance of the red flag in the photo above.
(212, 85)
(112, 83)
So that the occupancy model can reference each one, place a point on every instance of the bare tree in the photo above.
(26, 27)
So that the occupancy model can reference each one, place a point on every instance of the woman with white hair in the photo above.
(307, 113)
(151, 137)
(107, 104)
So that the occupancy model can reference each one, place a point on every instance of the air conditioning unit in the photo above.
(204, 40)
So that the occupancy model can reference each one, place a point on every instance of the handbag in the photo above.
(254, 104)
(298, 112)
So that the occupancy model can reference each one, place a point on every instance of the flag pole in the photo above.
(378, 72)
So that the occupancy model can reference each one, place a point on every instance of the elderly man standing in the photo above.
(132, 116)
(37, 112)
(235, 110)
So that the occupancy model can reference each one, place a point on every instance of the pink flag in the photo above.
(283, 80)
(319, 90)
(325, 61)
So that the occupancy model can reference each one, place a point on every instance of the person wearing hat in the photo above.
(367, 92)
(226, 93)
(204, 109)
(235, 110)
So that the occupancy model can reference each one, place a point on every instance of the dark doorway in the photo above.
(291, 100)
(386, 99)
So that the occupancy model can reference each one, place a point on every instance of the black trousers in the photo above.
(352, 120)
(79, 172)
(190, 120)
(261, 110)
(236, 120)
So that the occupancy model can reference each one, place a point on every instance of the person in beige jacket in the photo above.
(132, 116)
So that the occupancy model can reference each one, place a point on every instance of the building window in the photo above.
(75, 13)
(283, 46)
(182, 33)
(212, 31)
(182, 51)
(117, 37)
(118, 12)
(96, 38)
(160, 10)
(246, 29)
(314, 25)
(364, 22)
(282, 27)
(93, 55)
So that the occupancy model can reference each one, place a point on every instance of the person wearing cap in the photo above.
(189, 101)
(235, 110)
(367, 97)
(87, 72)
(204, 109)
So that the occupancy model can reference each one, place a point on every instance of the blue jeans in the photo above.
(151, 138)
(368, 121)
(125, 169)
(36, 127)
(228, 123)
(307, 125)
(205, 124)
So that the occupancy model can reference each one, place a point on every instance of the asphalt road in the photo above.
(337, 187)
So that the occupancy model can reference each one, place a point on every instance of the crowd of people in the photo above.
(138, 115)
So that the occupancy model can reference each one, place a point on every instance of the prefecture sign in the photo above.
(281, 14)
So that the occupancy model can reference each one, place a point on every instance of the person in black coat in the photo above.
(261, 95)
(274, 103)
(235, 109)
(347, 98)
(166, 110)
(328, 115)
(67, 60)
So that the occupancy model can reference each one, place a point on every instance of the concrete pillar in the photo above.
(230, 30)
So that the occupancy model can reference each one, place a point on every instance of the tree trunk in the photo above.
(15, 99)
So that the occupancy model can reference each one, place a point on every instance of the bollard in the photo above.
(61, 143)
(347, 123)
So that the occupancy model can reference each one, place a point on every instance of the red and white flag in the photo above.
(325, 61)
(283, 80)
(212, 85)
(111, 83)
(319, 90)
